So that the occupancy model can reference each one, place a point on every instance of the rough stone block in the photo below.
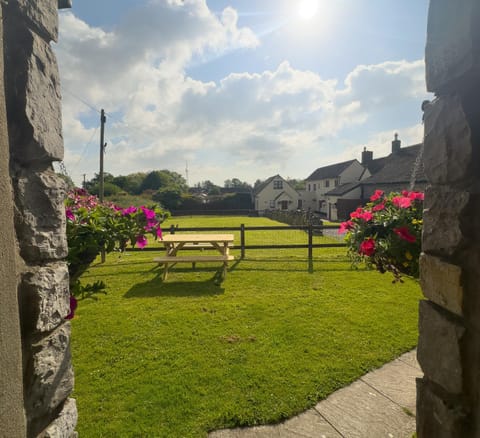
(44, 295)
(438, 350)
(48, 376)
(453, 44)
(444, 209)
(441, 283)
(40, 15)
(437, 417)
(40, 216)
(64, 424)
(33, 98)
(448, 153)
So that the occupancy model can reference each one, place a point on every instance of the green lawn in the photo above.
(180, 358)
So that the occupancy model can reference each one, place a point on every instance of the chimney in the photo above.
(396, 144)
(367, 157)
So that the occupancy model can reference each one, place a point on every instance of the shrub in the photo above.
(386, 233)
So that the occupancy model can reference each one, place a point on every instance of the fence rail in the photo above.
(311, 231)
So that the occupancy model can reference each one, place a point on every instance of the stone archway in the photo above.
(448, 396)
(33, 246)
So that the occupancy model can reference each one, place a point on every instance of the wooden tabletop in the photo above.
(178, 238)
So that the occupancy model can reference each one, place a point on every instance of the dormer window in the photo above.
(327, 183)
(314, 187)
(278, 184)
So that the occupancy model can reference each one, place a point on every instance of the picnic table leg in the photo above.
(165, 271)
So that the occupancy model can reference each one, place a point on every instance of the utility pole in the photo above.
(84, 181)
(103, 120)
(186, 172)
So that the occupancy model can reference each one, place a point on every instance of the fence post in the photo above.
(242, 241)
(310, 248)
(172, 229)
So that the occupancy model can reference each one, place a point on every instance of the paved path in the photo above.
(379, 404)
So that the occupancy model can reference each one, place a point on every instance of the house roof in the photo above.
(266, 183)
(282, 194)
(398, 167)
(332, 171)
(343, 188)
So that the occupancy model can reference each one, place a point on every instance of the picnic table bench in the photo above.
(176, 242)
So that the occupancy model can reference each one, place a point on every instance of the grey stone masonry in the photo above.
(448, 396)
(35, 142)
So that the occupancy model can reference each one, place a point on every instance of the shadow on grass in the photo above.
(171, 288)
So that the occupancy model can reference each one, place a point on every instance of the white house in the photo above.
(276, 194)
(327, 178)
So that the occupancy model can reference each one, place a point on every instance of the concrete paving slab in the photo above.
(396, 380)
(359, 411)
(312, 425)
(255, 432)
(411, 359)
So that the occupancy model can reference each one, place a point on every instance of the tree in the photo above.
(130, 183)
(159, 179)
(235, 183)
(169, 197)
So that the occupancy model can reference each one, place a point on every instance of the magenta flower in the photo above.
(129, 210)
(404, 233)
(149, 214)
(377, 195)
(141, 241)
(73, 306)
(69, 214)
(159, 233)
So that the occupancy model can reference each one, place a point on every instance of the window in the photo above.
(314, 187)
(327, 183)
(299, 206)
(272, 204)
(337, 182)
(278, 184)
(309, 188)
(284, 205)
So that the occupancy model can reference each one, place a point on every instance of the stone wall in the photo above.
(35, 141)
(448, 396)
(12, 420)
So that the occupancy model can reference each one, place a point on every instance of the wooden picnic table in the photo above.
(176, 242)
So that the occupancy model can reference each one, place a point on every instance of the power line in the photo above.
(85, 149)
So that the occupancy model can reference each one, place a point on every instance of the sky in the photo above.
(241, 89)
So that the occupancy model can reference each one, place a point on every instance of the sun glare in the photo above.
(308, 9)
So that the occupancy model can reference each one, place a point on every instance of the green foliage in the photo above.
(387, 233)
(183, 357)
(169, 197)
(164, 179)
(93, 227)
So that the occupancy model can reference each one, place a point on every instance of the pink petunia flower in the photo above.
(367, 247)
(404, 233)
(416, 195)
(345, 226)
(379, 207)
(159, 233)
(402, 201)
(149, 214)
(129, 210)
(69, 214)
(377, 195)
(141, 241)
(356, 213)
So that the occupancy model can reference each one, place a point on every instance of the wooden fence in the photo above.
(310, 230)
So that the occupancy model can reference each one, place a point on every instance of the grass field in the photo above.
(180, 358)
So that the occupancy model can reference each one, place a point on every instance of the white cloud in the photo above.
(247, 125)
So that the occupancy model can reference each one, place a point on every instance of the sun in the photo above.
(308, 9)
